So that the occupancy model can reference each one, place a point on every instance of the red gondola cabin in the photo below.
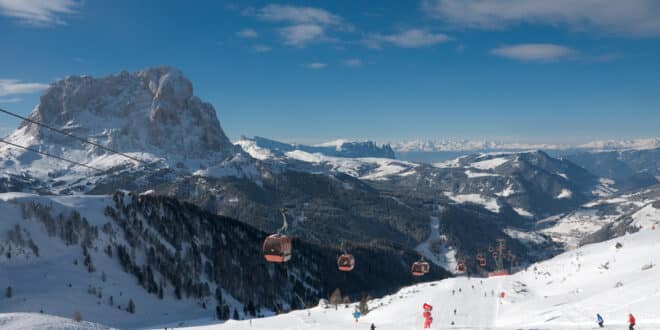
(277, 248)
(420, 268)
(346, 262)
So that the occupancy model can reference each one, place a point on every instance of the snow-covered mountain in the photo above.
(263, 148)
(493, 145)
(152, 115)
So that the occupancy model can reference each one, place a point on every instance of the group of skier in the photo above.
(631, 321)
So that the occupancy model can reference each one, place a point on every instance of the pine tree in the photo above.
(9, 292)
(363, 307)
(236, 317)
(131, 306)
(218, 312)
(218, 295)
(336, 298)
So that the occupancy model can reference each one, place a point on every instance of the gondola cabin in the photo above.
(460, 268)
(420, 268)
(482, 262)
(277, 248)
(346, 262)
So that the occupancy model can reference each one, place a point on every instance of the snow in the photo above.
(562, 293)
(24, 321)
(450, 163)
(565, 193)
(647, 217)
(471, 174)
(563, 175)
(523, 212)
(525, 236)
(368, 168)
(446, 257)
(254, 150)
(508, 191)
(489, 203)
(489, 164)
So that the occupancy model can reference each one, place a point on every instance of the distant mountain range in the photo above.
(483, 145)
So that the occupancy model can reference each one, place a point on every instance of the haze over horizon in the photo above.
(392, 71)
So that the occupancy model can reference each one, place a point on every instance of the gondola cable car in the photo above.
(277, 247)
(460, 267)
(346, 261)
(420, 268)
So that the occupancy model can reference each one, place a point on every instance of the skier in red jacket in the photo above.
(631, 321)
(428, 319)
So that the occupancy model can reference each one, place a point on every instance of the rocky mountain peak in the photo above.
(152, 111)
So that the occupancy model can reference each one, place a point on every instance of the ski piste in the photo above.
(565, 292)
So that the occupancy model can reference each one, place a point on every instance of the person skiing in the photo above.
(356, 315)
(600, 321)
(427, 315)
(631, 322)
(373, 327)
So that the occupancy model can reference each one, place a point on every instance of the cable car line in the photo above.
(73, 136)
(49, 155)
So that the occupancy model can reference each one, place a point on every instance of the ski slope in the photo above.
(565, 292)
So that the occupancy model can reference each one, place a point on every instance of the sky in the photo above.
(557, 71)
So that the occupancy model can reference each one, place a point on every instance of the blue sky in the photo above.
(310, 71)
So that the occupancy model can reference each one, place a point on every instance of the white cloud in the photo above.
(535, 52)
(304, 25)
(302, 34)
(262, 48)
(247, 33)
(298, 15)
(38, 12)
(353, 62)
(624, 17)
(13, 86)
(411, 38)
(10, 100)
(315, 65)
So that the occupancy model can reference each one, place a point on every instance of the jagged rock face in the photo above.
(152, 111)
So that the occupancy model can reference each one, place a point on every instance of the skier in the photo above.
(427, 315)
(454, 311)
(356, 315)
(453, 292)
(631, 321)
(373, 327)
(600, 320)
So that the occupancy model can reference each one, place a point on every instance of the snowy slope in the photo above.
(51, 283)
(565, 292)
(26, 321)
